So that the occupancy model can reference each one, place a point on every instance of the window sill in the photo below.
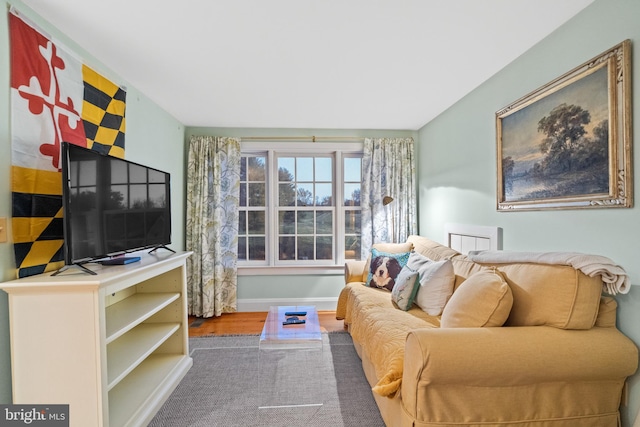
(290, 270)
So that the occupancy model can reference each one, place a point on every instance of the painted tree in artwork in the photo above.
(576, 160)
(565, 128)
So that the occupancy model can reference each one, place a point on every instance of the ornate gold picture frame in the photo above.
(567, 145)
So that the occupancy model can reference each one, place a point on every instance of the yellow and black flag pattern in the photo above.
(103, 110)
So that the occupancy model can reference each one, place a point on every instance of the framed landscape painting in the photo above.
(567, 145)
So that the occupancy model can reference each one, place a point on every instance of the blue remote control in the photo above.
(295, 313)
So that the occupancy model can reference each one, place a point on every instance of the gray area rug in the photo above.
(224, 388)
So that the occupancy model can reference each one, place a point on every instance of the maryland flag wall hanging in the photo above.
(54, 98)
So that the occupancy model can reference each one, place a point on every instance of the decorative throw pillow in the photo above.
(436, 282)
(392, 248)
(405, 288)
(384, 268)
(484, 299)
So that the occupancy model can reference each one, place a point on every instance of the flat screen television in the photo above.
(111, 206)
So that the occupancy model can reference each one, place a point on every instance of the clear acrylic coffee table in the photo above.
(291, 360)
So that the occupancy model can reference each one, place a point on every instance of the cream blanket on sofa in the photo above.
(615, 279)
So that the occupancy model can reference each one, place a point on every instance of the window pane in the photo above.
(242, 248)
(305, 248)
(256, 248)
(324, 171)
(243, 194)
(305, 194)
(286, 195)
(243, 168)
(242, 222)
(286, 169)
(257, 194)
(352, 169)
(255, 221)
(257, 169)
(287, 248)
(305, 222)
(324, 248)
(324, 195)
(352, 194)
(352, 247)
(286, 222)
(352, 222)
(324, 222)
(304, 169)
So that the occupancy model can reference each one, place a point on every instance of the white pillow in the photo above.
(436, 282)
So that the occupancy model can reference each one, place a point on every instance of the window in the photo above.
(352, 187)
(299, 207)
(252, 214)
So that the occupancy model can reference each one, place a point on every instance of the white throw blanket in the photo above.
(614, 278)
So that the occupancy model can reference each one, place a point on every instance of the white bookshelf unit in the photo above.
(113, 346)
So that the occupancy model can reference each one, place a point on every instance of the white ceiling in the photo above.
(352, 64)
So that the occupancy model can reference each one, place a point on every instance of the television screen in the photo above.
(112, 206)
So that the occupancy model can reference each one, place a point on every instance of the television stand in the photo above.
(78, 266)
(161, 247)
(112, 346)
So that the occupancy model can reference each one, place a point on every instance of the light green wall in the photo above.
(153, 138)
(298, 286)
(457, 160)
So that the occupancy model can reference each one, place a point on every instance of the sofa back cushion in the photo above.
(543, 294)
(552, 295)
(430, 249)
(463, 267)
(607, 313)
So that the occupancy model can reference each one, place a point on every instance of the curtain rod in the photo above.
(302, 138)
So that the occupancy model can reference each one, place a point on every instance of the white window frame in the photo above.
(271, 150)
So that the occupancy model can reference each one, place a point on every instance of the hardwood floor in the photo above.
(250, 323)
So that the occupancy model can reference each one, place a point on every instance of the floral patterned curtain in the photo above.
(213, 193)
(388, 169)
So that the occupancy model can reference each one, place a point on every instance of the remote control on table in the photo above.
(293, 322)
(295, 313)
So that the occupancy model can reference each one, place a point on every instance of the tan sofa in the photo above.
(557, 361)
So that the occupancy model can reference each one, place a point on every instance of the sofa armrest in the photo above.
(354, 271)
(507, 357)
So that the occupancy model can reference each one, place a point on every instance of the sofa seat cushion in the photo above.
(381, 331)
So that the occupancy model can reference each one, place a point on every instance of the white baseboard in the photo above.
(263, 304)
